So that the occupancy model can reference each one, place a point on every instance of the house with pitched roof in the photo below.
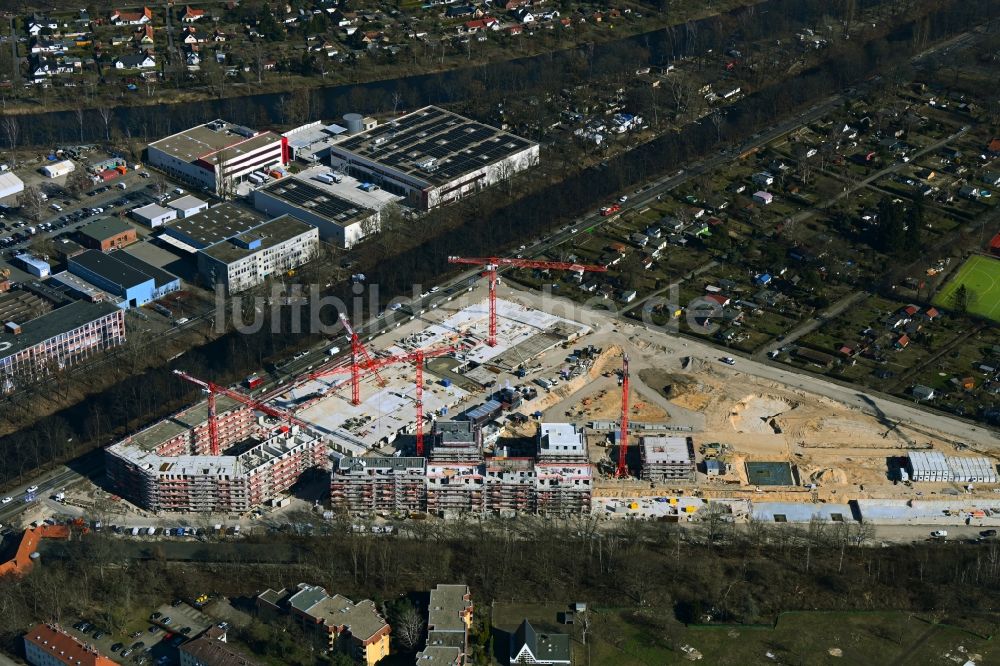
(528, 646)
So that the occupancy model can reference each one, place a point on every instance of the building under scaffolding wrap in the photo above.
(167, 467)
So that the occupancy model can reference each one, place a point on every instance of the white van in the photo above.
(56, 207)
(333, 351)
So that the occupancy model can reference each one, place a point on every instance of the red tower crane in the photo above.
(357, 350)
(416, 357)
(492, 264)
(214, 389)
(621, 471)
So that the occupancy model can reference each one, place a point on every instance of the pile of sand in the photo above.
(754, 413)
(829, 476)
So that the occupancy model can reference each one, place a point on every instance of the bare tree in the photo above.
(12, 130)
(106, 115)
(408, 626)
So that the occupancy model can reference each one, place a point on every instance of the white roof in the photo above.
(560, 437)
(151, 211)
(10, 184)
(187, 202)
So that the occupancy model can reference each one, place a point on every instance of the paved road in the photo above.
(832, 312)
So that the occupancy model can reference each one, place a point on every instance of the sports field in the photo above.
(981, 277)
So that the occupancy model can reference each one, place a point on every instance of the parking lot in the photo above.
(153, 640)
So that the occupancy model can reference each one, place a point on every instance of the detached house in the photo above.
(528, 646)
(137, 61)
(119, 17)
(144, 35)
(191, 15)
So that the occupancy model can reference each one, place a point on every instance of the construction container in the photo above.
(690, 509)
(633, 505)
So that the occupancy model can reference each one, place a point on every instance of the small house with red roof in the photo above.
(191, 14)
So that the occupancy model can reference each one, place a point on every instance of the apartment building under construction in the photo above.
(168, 466)
(458, 479)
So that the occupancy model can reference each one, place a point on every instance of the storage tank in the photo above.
(354, 122)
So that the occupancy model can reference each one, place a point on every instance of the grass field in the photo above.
(981, 277)
(651, 637)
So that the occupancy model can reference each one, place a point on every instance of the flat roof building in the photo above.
(212, 226)
(339, 221)
(35, 343)
(107, 233)
(160, 471)
(154, 215)
(131, 279)
(216, 155)
(433, 156)
(188, 205)
(250, 257)
(560, 441)
(379, 484)
(456, 440)
(666, 459)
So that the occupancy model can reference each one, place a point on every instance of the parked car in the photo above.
(728, 360)
(988, 533)
(939, 534)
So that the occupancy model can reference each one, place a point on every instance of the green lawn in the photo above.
(652, 637)
(981, 277)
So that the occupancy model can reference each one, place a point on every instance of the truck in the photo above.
(610, 210)
(253, 381)
(255, 179)
(324, 178)
(333, 351)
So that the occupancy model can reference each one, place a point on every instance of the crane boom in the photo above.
(492, 264)
(214, 390)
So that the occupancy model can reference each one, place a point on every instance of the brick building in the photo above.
(48, 645)
(107, 233)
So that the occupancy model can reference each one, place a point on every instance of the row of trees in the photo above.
(740, 574)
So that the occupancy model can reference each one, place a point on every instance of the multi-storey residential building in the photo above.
(666, 459)
(560, 442)
(379, 485)
(167, 467)
(217, 155)
(48, 645)
(354, 628)
(449, 618)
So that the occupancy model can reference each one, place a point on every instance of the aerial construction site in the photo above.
(570, 411)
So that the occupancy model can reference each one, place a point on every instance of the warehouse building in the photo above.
(211, 226)
(154, 215)
(935, 466)
(667, 459)
(167, 466)
(127, 277)
(275, 247)
(37, 267)
(107, 233)
(45, 331)
(339, 221)
(217, 155)
(187, 205)
(10, 185)
(57, 169)
(433, 157)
